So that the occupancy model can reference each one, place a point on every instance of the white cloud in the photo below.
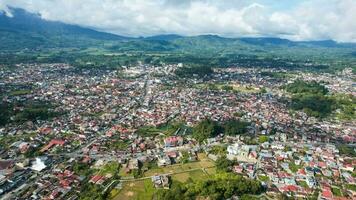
(305, 20)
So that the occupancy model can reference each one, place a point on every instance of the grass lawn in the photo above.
(336, 191)
(203, 163)
(113, 193)
(195, 175)
(122, 173)
(110, 168)
(211, 171)
(142, 190)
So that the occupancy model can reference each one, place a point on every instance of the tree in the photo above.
(219, 187)
(137, 173)
(5, 113)
(302, 87)
(346, 150)
(263, 90)
(223, 164)
(235, 127)
(262, 139)
(206, 129)
(227, 88)
(218, 150)
(315, 105)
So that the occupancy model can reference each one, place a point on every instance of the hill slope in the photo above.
(27, 37)
(27, 30)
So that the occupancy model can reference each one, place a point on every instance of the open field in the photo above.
(144, 189)
(202, 163)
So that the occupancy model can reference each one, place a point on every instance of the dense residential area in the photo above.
(142, 131)
(177, 100)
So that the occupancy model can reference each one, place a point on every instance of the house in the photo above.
(5, 167)
(326, 194)
(133, 164)
(289, 189)
(164, 161)
(311, 182)
(240, 150)
(39, 164)
(161, 181)
(173, 141)
(238, 169)
(97, 179)
(54, 195)
(52, 143)
(245, 153)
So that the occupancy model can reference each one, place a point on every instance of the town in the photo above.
(82, 133)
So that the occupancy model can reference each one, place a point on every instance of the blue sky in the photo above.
(291, 19)
(281, 4)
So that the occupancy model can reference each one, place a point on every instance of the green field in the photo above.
(144, 189)
(141, 190)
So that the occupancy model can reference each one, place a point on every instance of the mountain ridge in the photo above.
(28, 30)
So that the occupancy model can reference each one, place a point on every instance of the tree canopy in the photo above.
(315, 105)
(219, 187)
(235, 127)
(206, 129)
(224, 164)
(311, 98)
(302, 87)
(31, 111)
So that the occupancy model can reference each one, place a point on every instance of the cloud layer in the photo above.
(296, 20)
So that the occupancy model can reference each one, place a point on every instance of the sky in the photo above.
(290, 19)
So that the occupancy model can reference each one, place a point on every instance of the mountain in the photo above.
(268, 41)
(28, 30)
(164, 37)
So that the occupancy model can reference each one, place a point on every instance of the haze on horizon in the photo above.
(290, 19)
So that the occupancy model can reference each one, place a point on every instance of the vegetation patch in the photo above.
(302, 87)
(263, 178)
(143, 190)
(336, 191)
(20, 92)
(27, 111)
(293, 167)
(208, 128)
(311, 98)
(351, 187)
(218, 187)
(199, 71)
(347, 150)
